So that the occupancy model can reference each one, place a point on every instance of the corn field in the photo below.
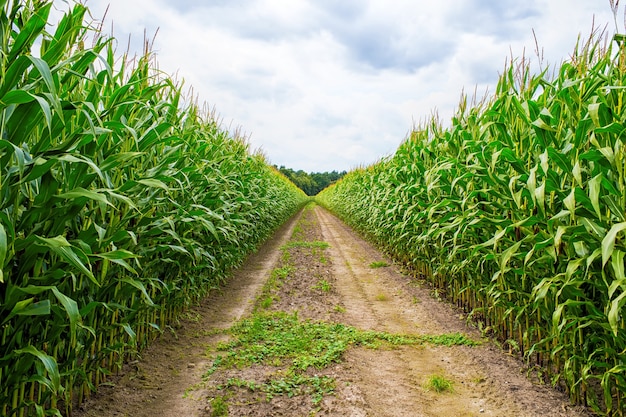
(120, 205)
(516, 211)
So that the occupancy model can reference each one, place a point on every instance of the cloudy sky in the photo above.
(324, 85)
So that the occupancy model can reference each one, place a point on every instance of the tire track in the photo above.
(486, 381)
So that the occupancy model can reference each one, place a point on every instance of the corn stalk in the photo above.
(516, 212)
(120, 205)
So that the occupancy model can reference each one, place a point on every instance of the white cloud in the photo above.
(322, 85)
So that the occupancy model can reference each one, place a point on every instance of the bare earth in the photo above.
(168, 380)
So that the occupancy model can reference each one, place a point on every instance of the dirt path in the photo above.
(157, 384)
(486, 381)
(391, 381)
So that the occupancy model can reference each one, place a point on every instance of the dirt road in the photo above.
(338, 278)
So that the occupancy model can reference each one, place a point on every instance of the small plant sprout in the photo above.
(439, 383)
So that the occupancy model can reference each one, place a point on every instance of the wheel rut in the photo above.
(486, 382)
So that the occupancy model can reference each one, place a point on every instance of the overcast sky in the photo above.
(324, 85)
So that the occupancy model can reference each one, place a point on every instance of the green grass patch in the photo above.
(267, 302)
(219, 407)
(339, 309)
(280, 339)
(290, 385)
(439, 383)
(315, 244)
(449, 339)
(322, 285)
(378, 264)
(282, 272)
(273, 284)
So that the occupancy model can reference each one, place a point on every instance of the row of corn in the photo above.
(121, 203)
(517, 212)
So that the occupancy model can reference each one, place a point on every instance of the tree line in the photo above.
(311, 183)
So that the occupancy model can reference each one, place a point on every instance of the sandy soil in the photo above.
(168, 381)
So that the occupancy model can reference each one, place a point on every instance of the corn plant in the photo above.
(516, 212)
(120, 205)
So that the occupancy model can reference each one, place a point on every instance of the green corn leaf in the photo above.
(520, 109)
(129, 331)
(608, 243)
(28, 307)
(614, 313)
(560, 231)
(556, 315)
(31, 30)
(617, 372)
(615, 210)
(617, 265)
(531, 184)
(139, 285)
(44, 70)
(594, 194)
(581, 249)
(572, 267)
(65, 35)
(608, 153)
(71, 308)
(39, 167)
(81, 192)
(81, 159)
(570, 202)
(46, 110)
(508, 254)
(13, 74)
(40, 308)
(594, 255)
(576, 173)
(128, 201)
(540, 196)
(152, 182)
(592, 155)
(4, 247)
(53, 381)
(560, 159)
(117, 254)
(64, 249)
(592, 226)
(594, 113)
(119, 257)
(541, 290)
(543, 125)
(118, 159)
(17, 97)
(543, 159)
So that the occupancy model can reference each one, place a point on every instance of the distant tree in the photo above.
(310, 183)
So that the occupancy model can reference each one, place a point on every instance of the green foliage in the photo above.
(439, 383)
(219, 407)
(120, 205)
(290, 385)
(281, 339)
(516, 212)
(306, 244)
(378, 264)
(323, 286)
(311, 183)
